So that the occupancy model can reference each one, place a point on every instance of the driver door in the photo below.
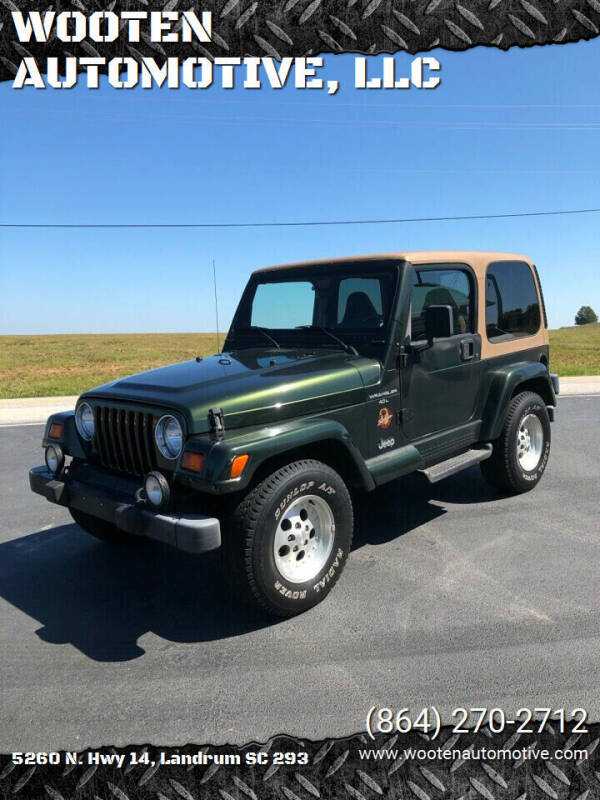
(439, 384)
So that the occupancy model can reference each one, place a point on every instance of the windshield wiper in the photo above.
(267, 335)
(347, 347)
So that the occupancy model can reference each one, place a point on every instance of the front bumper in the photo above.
(193, 533)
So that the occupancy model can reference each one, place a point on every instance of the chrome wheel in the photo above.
(530, 442)
(304, 539)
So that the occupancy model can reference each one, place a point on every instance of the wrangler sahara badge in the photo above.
(384, 418)
(335, 375)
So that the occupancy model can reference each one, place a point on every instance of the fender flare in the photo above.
(69, 441)
(266, 442)
(501, 387)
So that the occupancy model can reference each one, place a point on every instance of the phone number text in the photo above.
(472, 720)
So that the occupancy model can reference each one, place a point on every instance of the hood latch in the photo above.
(217, 423)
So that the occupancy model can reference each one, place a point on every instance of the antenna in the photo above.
(216, 305)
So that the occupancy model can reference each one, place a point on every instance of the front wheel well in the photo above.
(329, 451)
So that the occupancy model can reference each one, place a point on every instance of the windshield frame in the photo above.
(367, 341)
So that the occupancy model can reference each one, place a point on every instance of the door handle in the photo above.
(467, 349)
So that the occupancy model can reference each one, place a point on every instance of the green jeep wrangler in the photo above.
(335, 375)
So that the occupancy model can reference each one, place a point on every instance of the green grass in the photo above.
(576, 350)
(45, 366)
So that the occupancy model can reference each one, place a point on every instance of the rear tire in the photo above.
(521, 452)
(101, 529)
(288, 540)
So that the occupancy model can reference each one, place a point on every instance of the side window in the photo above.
(512, 307)
(359, 303)
(447, 286)
(283, 304)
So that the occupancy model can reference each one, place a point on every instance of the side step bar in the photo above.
(455, 464)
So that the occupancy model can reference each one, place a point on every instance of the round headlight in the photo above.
(54, 458)
(157, 489)
(168, 436)
(84, 421)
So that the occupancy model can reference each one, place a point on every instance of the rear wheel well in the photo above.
(329, 451)
(539, 386)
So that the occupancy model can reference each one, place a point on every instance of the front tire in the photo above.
(289, 538)
(521, 452)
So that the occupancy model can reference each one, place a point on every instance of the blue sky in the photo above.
(504, 132)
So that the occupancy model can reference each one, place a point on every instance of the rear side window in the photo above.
(442, 287)
(511, 300)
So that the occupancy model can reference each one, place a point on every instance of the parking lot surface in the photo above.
(453, 596)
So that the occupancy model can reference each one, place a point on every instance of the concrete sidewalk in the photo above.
(33, 410)
(36, 410)
(580, 384)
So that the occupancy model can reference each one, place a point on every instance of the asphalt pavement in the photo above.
(453, 596)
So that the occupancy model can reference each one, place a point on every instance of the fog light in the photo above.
(55, 458)
(156, 488)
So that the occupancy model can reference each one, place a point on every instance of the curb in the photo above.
(36, 410)
(33, 410)
(579, 384)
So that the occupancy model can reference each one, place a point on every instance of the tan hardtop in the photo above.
(478, 259)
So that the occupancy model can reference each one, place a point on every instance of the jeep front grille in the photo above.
(123, 439)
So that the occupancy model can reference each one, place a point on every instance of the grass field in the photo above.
(576, 350)
(45, 366)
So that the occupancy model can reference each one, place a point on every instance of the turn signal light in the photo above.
(238, 465)
(56, 430)
(193, 461)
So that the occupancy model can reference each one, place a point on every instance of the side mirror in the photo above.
(439, 322)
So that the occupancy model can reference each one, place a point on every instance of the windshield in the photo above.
(336, 306)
